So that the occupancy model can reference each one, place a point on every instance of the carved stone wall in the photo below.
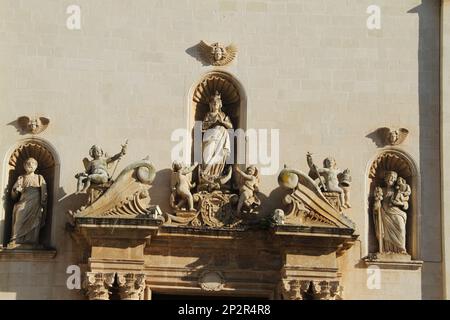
(326, 84)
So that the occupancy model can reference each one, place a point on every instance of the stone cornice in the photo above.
(27, 255)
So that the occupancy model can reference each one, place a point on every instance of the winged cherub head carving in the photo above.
(33, 125)
(393, 137)
(216, 54)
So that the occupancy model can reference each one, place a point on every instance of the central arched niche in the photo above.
(233, 105)
(393, 160)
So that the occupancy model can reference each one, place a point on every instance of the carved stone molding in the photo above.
(27, 255)
(211, 281)
(392, 261)
(131, 286)
(310, 290)
(97, 285)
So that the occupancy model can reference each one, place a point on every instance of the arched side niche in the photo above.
(47, 166)
(234, 103)
(393, 160)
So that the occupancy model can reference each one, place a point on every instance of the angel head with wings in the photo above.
(33, 125)
(393, 137)
(216, 54)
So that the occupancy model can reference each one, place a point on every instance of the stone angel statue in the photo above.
(216, 54)
(331, 178)
(248, 187)
(181, 185)
(29, 211)
(96, 172)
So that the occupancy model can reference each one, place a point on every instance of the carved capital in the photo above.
(131, 286)
(310, 289)
(326, 290)
(294, 289)
(97, 285)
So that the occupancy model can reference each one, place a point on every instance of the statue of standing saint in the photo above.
(29, 211)
(389, 209)
(216, 145)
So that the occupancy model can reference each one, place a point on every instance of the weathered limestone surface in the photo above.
(309, 68)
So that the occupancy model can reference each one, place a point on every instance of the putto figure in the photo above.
(247, 189)
(29, 212)
(331, 181)
(97, 169)
(403, 191)
(181, 185)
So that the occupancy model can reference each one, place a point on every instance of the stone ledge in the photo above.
(392, 261)
(201, 231)
(299, 229)
(117, 222)
(27, 255)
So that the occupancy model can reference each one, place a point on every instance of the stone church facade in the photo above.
(231, 149)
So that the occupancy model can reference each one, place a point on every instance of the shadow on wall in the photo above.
(160, 190)
(194, 53)
(276, 200)
(376, 139)
(429, 92)
(6, 223)
(72, 201)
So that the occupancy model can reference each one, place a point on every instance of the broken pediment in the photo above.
(126, 197)
(307, 205)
